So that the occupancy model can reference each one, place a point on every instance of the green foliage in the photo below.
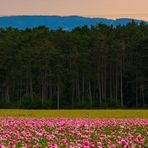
(30, 97)
(9, 105)
(32, 101)
(84, 105)
(97, 67)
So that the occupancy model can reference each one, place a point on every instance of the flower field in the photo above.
(73, 133)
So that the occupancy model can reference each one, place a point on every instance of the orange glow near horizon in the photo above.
(92, 8)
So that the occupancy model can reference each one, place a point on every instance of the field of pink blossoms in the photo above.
(73, 133)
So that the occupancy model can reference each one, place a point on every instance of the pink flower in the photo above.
(139, 137)
(39, 134)
(130, 136)
(112, 146)
(109, 141)
(123, 142)
(86, 143)
(65, 141)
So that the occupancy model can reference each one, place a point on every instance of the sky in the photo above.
(90, 8)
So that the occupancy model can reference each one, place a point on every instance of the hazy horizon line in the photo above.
(112, 17)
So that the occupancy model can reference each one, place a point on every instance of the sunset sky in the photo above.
(92, 8)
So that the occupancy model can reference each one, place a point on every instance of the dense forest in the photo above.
(90, 67)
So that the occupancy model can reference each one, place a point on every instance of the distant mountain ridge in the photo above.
(55, 22)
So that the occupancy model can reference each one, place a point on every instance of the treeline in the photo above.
(97, 67)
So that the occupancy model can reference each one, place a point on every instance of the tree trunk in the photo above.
(111, 94)
(121, 87)
(44, 88)
(7, 96)
(73, 94)
(78, 88)
(83, 88)
(116, 84)
(90, 94)
(58, 96)
(136, 92)
(143, 96)
(100, 92)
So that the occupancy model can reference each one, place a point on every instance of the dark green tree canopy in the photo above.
(90, 67)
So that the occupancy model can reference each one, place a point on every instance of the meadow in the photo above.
(75, 113)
